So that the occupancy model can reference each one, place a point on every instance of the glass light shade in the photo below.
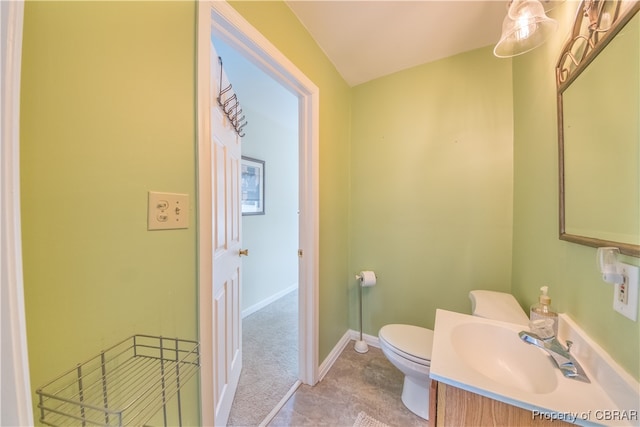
(524, 28)
(550, 4)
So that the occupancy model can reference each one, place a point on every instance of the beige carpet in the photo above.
(270, 361)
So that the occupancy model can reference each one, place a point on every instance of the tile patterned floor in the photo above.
(356, 382)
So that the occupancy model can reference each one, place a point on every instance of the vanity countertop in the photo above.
(488, 358)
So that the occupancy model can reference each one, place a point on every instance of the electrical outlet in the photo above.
(168, 211)
(622, 292)
(625, 299)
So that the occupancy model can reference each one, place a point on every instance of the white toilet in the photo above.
(408, 347)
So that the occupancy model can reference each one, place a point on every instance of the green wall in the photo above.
(107, 114)
(539, 257)
(416, 170)
(459, 245)
(431, 188)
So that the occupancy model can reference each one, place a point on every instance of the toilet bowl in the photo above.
(408, 347)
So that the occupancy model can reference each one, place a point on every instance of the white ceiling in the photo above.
(367, 39)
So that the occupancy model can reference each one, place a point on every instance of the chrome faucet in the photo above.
(569, 366)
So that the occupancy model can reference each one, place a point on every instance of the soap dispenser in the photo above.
(543, 318)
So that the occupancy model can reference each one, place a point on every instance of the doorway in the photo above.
(269, 286)
(221, 20)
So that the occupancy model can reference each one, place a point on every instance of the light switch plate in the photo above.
(625, 296)
(167, 211)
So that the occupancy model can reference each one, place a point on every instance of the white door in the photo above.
(226, 246)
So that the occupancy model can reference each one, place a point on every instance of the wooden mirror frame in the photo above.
(587, 40)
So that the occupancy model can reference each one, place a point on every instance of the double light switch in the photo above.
(168, 211)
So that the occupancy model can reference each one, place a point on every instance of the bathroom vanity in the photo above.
(453, 406)
(484, 374)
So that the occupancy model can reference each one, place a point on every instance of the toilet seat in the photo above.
(410, 342)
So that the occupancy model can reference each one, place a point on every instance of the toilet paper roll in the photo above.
(367, 278)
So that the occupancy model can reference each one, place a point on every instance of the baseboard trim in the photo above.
(333, 355)
(280, 404)
(369, 339)
(346, 339)
(265, 302)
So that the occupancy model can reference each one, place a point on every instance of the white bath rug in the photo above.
(365, 420)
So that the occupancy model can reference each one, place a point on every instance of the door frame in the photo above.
(15, 403)
(227, 24)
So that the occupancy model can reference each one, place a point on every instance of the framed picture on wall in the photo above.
(252, 175)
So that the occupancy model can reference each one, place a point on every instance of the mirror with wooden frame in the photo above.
(598, 83)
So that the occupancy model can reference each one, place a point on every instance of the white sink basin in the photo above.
(499, 354)
(487, 357)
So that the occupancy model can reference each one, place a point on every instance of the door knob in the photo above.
(243, 252)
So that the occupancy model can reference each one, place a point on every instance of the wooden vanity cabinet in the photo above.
(452, 406)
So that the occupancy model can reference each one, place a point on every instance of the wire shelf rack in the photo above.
(124, 385)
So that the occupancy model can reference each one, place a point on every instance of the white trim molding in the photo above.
(265, 302)
(203, 219)
(15, 396)
(349, 338)
(334, 354)
(369, 339)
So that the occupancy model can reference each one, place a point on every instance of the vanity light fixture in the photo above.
(525, 27)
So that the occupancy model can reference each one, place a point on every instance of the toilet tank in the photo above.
(497, 306)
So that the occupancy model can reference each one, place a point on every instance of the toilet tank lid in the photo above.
(497, 306)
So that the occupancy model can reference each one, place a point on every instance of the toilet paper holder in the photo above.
(366, 279)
